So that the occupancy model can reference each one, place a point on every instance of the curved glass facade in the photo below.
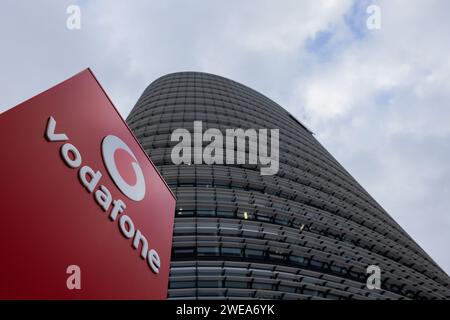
(308, 232)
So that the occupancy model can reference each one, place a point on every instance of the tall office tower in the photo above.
(309, 231)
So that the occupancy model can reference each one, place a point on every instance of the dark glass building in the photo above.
(309, 231)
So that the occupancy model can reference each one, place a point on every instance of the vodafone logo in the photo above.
(111, 146)
(127, 175)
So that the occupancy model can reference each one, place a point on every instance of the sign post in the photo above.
(84, 212)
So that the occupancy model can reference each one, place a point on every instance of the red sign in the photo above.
(84, 212)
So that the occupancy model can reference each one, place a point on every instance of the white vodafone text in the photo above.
(90, 180)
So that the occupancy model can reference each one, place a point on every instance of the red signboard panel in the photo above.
(78, 189)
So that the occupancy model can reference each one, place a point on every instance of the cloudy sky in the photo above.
(377, 99)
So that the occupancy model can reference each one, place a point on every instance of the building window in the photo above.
(232, 252)
(207, 251)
